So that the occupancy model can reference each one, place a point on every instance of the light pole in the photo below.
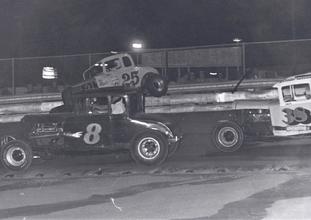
(293, 19)
(137, 47)
(240, 43)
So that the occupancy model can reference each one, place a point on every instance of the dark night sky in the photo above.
(55, 27)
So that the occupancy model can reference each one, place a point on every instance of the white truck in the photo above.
(289, 116)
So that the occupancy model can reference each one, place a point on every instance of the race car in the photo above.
(288, 117)
(101, 121)
(119, 70)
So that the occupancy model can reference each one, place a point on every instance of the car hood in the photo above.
(152, 118)
(46, 118)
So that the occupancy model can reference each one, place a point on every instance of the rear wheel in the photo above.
(156, 85)
(16, 155)
(150, 149)
(228, 136)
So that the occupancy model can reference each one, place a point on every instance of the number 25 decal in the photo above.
(92, 135)
(132, 79)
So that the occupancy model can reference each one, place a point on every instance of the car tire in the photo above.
(156, 85)
(228, 136)
(149, 148)
(16, 155)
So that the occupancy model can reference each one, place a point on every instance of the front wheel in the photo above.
(16, 155)
(228, 136)
(156, 85)
(149, 149)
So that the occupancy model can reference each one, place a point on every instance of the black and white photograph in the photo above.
(154, 109)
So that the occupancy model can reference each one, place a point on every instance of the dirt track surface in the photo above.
(271, 158)
(243, 185)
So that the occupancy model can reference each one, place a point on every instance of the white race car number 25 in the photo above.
(92, 134)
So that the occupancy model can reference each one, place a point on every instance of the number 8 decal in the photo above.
(92, 133)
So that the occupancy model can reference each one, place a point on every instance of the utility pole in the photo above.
(293, 19)
(293, 25)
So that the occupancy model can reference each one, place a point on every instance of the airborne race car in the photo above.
(99, 121)
(289, 117)
(119, 70)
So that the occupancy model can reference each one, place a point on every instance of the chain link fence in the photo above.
(258, 60)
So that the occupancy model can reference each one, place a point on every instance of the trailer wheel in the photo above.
(16, 155)
(149, 148)
(228, 136)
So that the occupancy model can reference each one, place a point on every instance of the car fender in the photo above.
(145, 72)
(154, 126)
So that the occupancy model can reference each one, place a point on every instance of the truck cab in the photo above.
(291, 116)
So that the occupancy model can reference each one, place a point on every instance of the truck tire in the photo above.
(156, 85)
(16, 155)
(228, 136)
(149, 148)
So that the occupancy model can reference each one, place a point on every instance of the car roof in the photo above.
(297, 79)
(102, 60)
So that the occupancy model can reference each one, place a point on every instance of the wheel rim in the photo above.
(228, 137)
(16, 156)
(148, 148)
(158, 85)
(6, 139)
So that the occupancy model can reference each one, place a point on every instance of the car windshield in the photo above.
(91, 105)
(296, 92)
(113, 64)
(93, 71)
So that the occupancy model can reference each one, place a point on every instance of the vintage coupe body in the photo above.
(95, 123)
(119, 70)
(288, 117)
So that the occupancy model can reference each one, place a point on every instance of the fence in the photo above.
(180, 65)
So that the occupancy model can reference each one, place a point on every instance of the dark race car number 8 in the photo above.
(92, 134)
(130, 79)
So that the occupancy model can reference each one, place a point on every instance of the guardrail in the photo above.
(13, 108)
(173, 89)
(223, 86)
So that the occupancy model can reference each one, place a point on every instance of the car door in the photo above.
(293, 115)
(130, 74)
(119, 122)
(87, 131)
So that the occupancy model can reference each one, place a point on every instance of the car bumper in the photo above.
(174, 139)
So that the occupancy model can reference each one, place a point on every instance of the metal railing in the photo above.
(216, 64)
